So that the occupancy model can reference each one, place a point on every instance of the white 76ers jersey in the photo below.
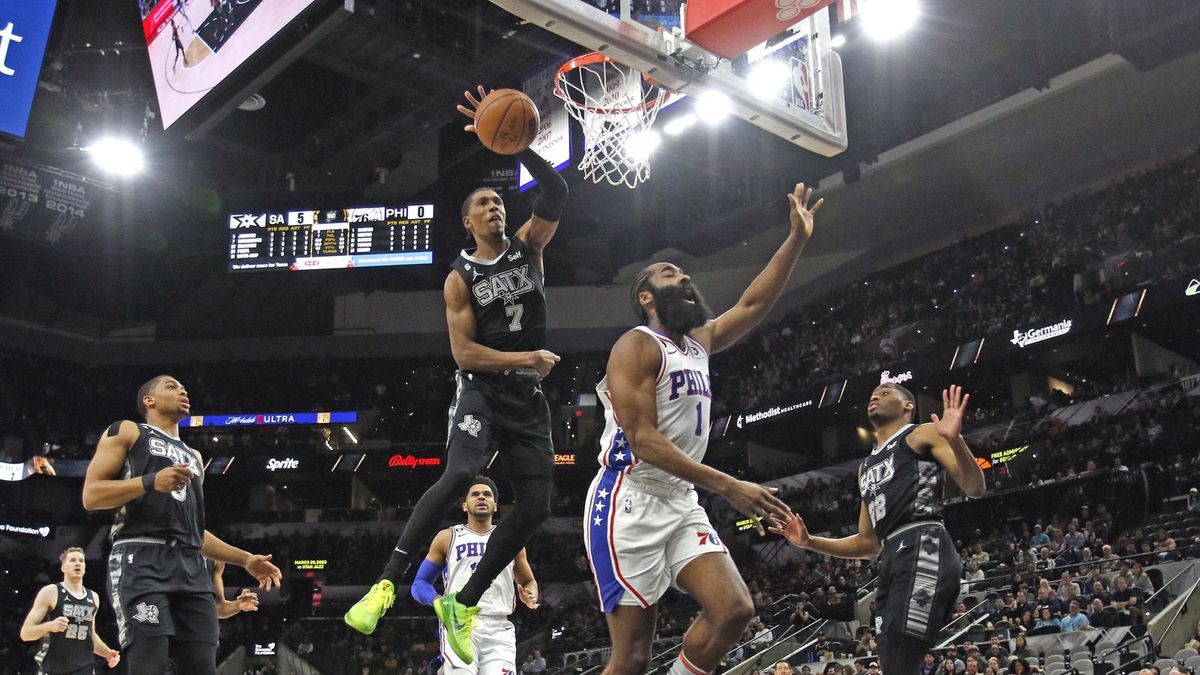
(466, 550)
(684, 399)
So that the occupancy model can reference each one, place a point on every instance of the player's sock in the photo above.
(397, 566)
(532, 509)
(683, 666)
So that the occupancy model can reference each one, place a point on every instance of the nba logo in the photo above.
(628, 506)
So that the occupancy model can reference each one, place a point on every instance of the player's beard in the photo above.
(675, 312)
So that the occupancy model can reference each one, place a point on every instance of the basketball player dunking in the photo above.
(496, 311)
(453, 555)
(161, 589)
(63, 618)
(644, 528)
(900, 521)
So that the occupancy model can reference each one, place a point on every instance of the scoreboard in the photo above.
(372, 236)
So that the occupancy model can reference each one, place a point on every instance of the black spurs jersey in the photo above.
(899, 486)
(508, 298)
(162, 517)
(70, 650)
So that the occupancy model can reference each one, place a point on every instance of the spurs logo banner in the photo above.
(24, 29)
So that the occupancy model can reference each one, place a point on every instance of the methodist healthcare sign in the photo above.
(24, 28)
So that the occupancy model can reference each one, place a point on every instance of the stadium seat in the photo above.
(1057, 659)
(1104, 668)
(1164, 665)
(1084, 666)
(1193, 663)
(1185, 654)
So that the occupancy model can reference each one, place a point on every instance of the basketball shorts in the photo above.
(640, 535)
(495, 642)
(507, 412)
(919, 577)
(158, 589)
(87, 670)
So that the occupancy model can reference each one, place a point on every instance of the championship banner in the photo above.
(45, 204)
(553, 140)
(24, 30)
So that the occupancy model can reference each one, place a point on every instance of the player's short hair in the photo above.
(145, 390)
(640, 283)
(484, 480)
(62, 557)
(466, 205)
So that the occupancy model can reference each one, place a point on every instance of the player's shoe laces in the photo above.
(459, 621)
(365, 613)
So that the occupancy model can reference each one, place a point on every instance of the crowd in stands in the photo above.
(1088, 248)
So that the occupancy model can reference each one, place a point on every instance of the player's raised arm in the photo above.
(632, 369)
(943, 440)
(760, 296)
(547, 209)
(469, 354)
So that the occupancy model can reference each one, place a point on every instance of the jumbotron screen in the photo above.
(370, 236)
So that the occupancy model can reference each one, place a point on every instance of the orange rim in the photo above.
(591, 59)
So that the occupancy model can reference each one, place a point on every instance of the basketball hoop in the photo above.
(616, 106)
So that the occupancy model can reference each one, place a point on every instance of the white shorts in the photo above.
(495, 642)
(640, 535)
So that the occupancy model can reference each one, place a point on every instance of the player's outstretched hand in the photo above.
(42, 465)
(791, 528)
(247, 601)
(542, 361)
(954, 404)
(756, 501)
(528, 595)
(59, 625)
(261, 568)
(470, 112)
(801, 213)
(113, 657)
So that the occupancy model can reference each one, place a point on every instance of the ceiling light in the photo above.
(679, 124)
(887, 19)
(713, 106)
(641, 145)
(116, 156)
(767, 78)
(838, 41)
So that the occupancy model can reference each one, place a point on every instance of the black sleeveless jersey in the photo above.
(168, 516)
(70, 650)
(898, 486)
(508, 298)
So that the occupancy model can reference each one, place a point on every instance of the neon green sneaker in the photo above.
(459, 621)
(365, 613)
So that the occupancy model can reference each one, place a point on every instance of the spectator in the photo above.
(1018, 666)
(534, 663)
(783, 668)
(1067, 589)
(1074, 620)
(1020, 648)
(1039, 538)
(1140, 580)
(930, 665)
(1047, 619)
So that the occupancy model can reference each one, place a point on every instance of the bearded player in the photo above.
(644, 528)
(900, 520)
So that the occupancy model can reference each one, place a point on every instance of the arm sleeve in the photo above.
(550, 203)
(422, 587)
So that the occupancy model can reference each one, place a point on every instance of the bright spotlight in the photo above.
(838, 41)
(679, 124)
(641, 145)
(116, 156)
(713, 106)
(887, 19)
(767, 78)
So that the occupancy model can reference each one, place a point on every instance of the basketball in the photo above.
(507, 121)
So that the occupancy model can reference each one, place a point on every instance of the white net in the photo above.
(616, 107)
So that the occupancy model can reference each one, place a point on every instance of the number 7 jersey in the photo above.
(684, 399)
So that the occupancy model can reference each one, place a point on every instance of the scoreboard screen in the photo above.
(372, 236)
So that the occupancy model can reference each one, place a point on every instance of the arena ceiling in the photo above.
(378, 92)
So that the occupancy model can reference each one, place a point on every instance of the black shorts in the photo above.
(161, 590)
(86, 670)
(919, 577)
(505, 412)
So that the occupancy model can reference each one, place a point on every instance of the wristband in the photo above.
(148, 482)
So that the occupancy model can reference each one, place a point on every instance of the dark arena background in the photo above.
(261, 198)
